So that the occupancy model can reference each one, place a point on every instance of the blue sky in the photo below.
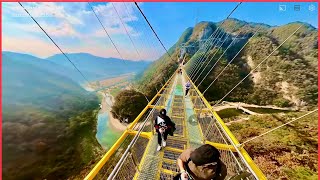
(75, 29)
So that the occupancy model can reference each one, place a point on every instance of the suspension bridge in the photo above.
(134, 155)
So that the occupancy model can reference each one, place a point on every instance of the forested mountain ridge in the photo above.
(287, 78)
(49, 121)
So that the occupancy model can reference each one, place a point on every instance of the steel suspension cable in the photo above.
(128, 34)
(216, 61)
(216, 53)
(215, 42)
(145, 43)
(153, 30)
(54, 43)
(255, 67)
(211, 41)
(233, 58)
(187, 65)
(105, 30)
(148, 40)
(231, 13)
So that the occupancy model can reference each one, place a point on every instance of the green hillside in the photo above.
(282, 80)
(49, 123)
(287, 153)
(157, 72)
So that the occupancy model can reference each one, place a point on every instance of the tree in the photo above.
(128, 104)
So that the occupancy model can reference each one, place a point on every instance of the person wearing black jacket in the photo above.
(163, 126)
(202, 163)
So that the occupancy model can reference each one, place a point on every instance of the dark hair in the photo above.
(163, 112)
(205, 154)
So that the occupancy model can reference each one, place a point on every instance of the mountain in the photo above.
(288, 78)
(49, 121)
(91, 66)
(94, 67)
(27, 79)
(45, 65)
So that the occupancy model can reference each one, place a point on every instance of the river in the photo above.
(106, 136)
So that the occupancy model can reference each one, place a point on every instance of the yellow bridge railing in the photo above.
(133, 156)
(235, 143)
(130, 129)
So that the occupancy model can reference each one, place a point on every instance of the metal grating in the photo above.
(175, 143)
(165, 176)
(171, 155)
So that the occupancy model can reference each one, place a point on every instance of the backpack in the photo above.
(172, 124)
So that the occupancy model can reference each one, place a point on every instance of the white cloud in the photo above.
(41, 10)
(63, 29)
(73, 22)
(52, 17)
(111, 13)
(29, 45)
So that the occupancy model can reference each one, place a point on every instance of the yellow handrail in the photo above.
(115, 146)
(243, 152)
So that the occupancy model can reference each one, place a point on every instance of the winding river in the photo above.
(106, 136)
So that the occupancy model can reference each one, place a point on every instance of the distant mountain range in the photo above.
(99, 67)
(91, 66)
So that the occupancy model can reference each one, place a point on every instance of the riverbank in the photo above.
(115, 124)
(109, 129)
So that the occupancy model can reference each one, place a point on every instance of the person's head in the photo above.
(205, 154)
(163, 112)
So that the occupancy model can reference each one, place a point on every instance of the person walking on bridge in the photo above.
(188, 86)
(202, 163)
(164, 126)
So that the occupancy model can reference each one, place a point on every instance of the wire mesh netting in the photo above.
(195, 122)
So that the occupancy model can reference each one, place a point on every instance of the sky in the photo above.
(74, 27)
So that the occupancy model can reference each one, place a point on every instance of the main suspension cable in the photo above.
(153, 31)
(54, 42)
(105, 30)
(134, 27)
(134, 46)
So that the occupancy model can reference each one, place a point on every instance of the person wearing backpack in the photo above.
(202, 163)
(163, 126)
(188, 86)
